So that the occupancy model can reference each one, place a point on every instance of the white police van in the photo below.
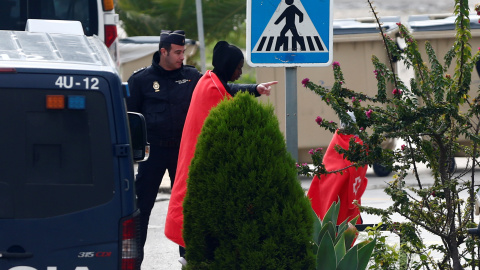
(98, 17)
(67, 199)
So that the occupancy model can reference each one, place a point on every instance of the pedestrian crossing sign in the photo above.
(282, 33)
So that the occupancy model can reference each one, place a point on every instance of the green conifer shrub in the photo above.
(245, 208)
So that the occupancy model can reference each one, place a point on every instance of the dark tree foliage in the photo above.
(221, 18)
(245, 208)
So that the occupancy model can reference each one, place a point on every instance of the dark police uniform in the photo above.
(163, 97)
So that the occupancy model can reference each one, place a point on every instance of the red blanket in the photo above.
(207, 94)
(347, 187)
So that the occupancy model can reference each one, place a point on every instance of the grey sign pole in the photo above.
(201, 34)
(291, 128)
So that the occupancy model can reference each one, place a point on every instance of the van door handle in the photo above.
(14, 255)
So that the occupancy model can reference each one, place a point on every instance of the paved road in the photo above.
(160, 253)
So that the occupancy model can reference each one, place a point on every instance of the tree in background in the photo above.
(222, 19)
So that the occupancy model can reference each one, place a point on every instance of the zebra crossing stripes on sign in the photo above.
(289, 32)
(290, 44)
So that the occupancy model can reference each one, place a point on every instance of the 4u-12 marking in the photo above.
(67, 82)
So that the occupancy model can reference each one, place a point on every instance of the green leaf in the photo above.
(327, 229)
(326, 255)
(350, 260)
(317, 227)
(344, 226)
(340, 249)
(332, 213)
(354, 220)
(364, 254)
(350, 234)
(341, 229)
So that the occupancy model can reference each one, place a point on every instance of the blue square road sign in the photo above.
(282, 33)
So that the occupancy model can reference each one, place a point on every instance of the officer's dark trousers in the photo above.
(148, 179)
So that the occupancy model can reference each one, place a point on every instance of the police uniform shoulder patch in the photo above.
(190, 69)
(139, 70)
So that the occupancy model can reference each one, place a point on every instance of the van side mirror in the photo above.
(138, 135)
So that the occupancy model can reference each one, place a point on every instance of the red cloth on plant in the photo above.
(207, 94)
(347, 187)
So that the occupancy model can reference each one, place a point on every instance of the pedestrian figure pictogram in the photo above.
(289, 16)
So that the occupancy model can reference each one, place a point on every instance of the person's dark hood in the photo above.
(225, 60)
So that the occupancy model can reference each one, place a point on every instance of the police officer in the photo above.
(162, 93)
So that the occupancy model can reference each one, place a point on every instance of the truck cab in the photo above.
(67, 198)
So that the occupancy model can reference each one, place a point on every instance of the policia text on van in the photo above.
(67, 184)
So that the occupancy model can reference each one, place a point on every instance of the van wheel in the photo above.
(381, 170)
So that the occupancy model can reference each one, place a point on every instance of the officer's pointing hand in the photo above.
(264, 88)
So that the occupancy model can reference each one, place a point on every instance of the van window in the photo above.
(14, 13)
(54, 162)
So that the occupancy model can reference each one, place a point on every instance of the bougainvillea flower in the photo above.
(305, 81)
(369, 113)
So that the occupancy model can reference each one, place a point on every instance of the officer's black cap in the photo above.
(174, 37)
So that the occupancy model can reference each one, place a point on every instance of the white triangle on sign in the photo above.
(308, 39)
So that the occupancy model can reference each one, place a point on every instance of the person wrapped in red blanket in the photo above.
(208, 93)
(212, 88)
(346, 187)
